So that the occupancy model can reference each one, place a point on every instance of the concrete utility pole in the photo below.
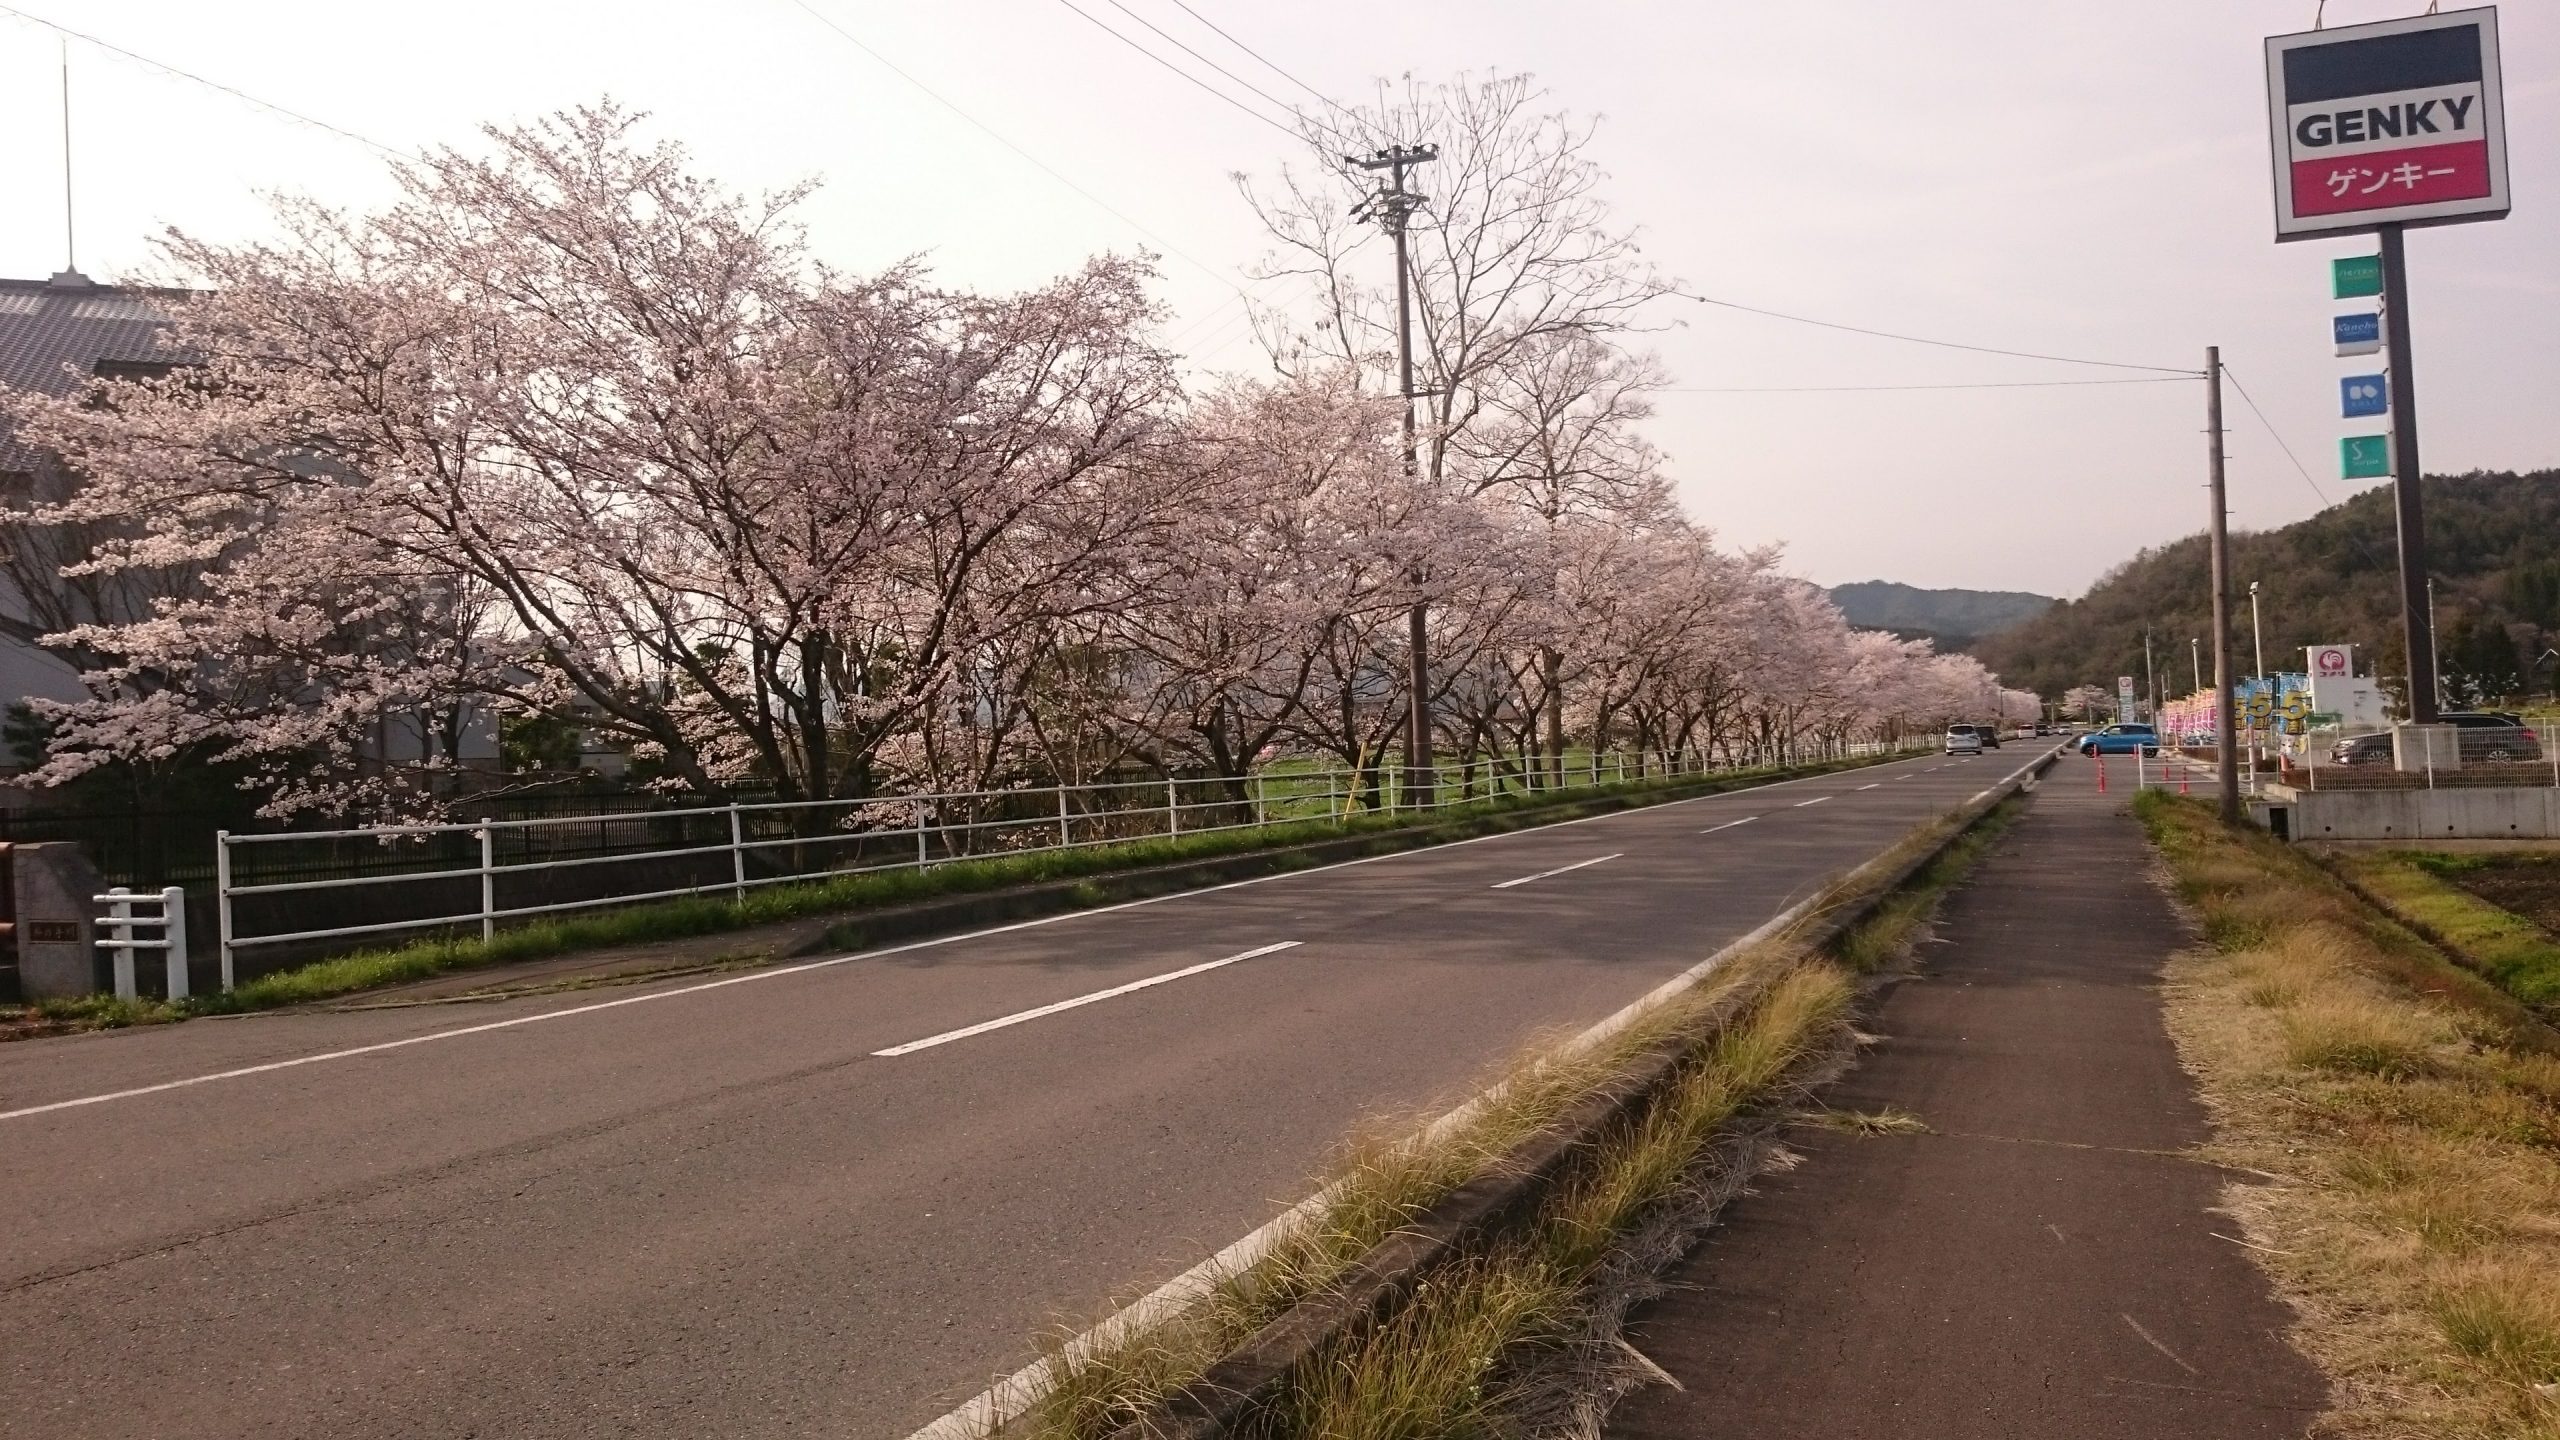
(1391, 207)
(2417, 620)
(2226, 737)
(2150, 677)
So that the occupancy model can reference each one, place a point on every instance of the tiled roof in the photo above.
(53, 334)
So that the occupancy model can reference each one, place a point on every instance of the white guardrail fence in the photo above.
(731, 849)
(120, 922)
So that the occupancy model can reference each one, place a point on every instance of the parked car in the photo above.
(2488, 737)
(1964, 740)
(2121, 740)
(2493, 736)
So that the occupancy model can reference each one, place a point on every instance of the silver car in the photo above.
(1964, 740)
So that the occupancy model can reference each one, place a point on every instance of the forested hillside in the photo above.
(2494, 549)
(1954, 619)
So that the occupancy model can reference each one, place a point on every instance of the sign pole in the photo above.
(2417, 627)
(2226, 738)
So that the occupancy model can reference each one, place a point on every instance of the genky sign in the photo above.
(2395, 122)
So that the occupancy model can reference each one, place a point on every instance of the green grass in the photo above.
(1878, 940)
(375, 968)
(2400, 1119)
(2515, 954)
(1466, 1353)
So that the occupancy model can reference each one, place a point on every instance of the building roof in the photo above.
(56, 333)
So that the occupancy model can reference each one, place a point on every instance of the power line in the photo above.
(1205, 86)
(2299, 468)
(1925, 340)
(2269, 425)
(1848, 389)
(1035, 161)
(1275, 101)
(1266, 62)
(233, 91)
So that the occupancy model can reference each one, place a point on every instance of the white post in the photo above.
(1063, 841)
(920, 851)
(222, 902)
(173, 928)
(488, 882)
(120, 920)
(737, 857)
(1172, 811)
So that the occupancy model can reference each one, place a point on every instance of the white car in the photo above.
(1963, 740)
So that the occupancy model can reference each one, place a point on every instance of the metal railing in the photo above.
(728, 850)
(171, 922)
(2526, 756)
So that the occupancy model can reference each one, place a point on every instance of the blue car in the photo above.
(2121, 740)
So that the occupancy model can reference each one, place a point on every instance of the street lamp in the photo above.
(2257, 637)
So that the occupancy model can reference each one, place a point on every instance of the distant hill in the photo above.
(1955, 619)
(2493, 546)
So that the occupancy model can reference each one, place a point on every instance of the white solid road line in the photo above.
(1729, 824)
(829, 962)
(1006, 1400)
(1816, 800)
(1017, 1017)
(1543, 874)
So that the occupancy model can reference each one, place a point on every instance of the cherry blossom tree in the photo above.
(744, 514)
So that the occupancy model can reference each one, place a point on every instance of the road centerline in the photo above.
(1871, 787)
(1816, 800)
(1036, 1012)
(1559, 870)
(1729, 824)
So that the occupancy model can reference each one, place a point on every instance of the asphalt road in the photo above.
(719, 1209)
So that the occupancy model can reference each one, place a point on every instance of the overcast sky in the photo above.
(2069, 178)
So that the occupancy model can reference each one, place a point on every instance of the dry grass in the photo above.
(2410, 1128)
(1452, 1353)
(1459, 1358)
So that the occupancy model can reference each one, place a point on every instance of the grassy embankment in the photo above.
(2402, 1117)
(2506, 949)
(716, 914)
(1525, 1323)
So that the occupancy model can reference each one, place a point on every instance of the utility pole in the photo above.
(2417, 618)
(2226, 737)
(1391, 207)
(2150, 678)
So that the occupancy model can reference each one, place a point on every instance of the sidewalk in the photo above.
(2044, 1264)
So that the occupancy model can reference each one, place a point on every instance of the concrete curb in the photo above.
(1211, 1405)
(1222, 1398)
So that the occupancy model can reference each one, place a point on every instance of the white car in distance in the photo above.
(1964, 740)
